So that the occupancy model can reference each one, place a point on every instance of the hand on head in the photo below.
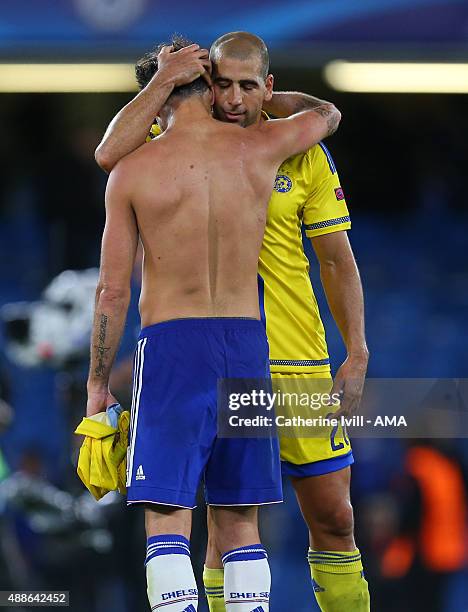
(185, 65)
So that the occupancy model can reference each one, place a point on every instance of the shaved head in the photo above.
(242, 46)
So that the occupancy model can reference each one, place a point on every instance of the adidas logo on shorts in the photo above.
(139, 473)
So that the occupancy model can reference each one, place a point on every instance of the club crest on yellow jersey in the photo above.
(283, 183)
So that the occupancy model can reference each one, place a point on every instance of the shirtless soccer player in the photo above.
(307, 192)
(197, 198)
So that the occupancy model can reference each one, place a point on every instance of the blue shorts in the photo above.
(173, 431)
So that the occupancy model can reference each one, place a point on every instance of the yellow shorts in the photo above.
(309, 447)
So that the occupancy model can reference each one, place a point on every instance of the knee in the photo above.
(339, 521)
(230, 530)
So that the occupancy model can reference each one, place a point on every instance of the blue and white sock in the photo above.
(169, 574)
(247, 579)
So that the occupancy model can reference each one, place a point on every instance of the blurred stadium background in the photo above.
(65, 69)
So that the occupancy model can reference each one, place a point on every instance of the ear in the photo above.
(208, 97)
(162, 117)
(268, 88)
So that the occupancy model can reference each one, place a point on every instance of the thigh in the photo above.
(243, 471)
(173, 423)
(310, 451)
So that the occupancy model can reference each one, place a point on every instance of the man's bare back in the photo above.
(200, 198)
(199, 194)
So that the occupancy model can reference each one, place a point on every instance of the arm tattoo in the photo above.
(323, 108)
(333, 123)
(333, 118)
(101, 348)
(307, 103)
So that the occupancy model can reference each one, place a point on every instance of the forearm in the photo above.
(287, 103)
(109, 320)
(343, 289)
(129, 128)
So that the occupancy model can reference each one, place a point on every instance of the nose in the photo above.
(235, 95)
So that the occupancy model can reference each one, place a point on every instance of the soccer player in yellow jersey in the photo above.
(307, 193)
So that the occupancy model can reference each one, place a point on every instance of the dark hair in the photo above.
(242, 45)
(147, 66)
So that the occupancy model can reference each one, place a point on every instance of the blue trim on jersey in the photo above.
(261, 298)
(331, 163)
(245, 553)
(300, 362)
(317, 468)
(327, 223)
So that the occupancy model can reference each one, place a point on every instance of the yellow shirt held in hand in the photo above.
(102, 459)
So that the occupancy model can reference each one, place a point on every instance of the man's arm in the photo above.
(301, 131)
(129, 128)
(119, 244)
(287, 103)
(343, 289)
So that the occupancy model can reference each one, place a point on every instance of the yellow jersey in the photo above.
(306, 193)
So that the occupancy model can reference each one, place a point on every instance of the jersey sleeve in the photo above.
(155, 130)
(325, 210)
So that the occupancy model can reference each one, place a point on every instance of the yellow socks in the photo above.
(338, 581)
(213, 579)
(337, 578)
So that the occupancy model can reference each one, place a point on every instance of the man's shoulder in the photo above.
(317, 158)
(127, 168)
(321, 154)
(302, 161)
(122, 171)
(316, 152)
(146, 152)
